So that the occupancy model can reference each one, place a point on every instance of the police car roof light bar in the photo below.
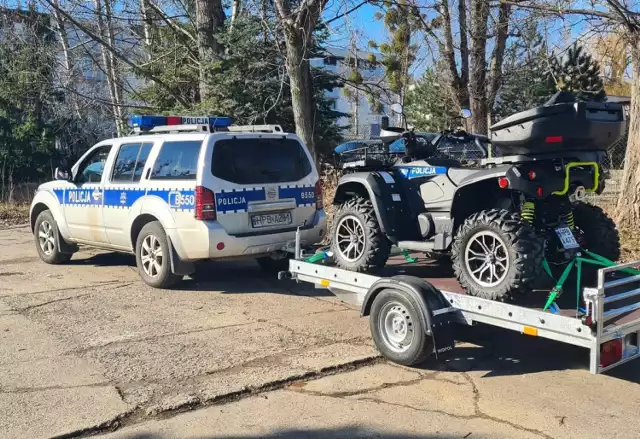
(141, 122)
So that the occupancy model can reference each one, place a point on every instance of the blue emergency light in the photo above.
(145, 122)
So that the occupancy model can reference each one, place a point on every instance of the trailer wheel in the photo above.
(397, 330)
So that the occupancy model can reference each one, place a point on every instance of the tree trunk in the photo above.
(106, 60)
(114, 70)
(627, 213)
(497, 57)
(209, 20)
(146, 23)
(301, 85)
(478, 72)
(236, 9)
(459, 82)
(68, 81)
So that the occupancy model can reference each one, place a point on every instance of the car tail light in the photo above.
(205, 204)
(319, 202)
(554, 139)
(503, 182)
(532, 175)
(610, 352)
(539, 192)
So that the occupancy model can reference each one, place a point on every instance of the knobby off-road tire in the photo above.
(521, 257)
(47, 239)
(599, 235)
(600, 232)
(358, 216)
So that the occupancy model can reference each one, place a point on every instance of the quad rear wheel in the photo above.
(599, 232)
(357, 242)
(496, 255)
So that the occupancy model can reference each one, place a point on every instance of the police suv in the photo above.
(182, 190)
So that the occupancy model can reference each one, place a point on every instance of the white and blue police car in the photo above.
(182, 190)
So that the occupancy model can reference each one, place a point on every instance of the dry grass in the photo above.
(630, 240)
(13, 213)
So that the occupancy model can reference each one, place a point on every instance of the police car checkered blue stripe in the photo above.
(180, 200)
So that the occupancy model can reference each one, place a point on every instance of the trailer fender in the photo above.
(434, 310)
(428, 297)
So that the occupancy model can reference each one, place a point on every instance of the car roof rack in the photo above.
(256, 128)
(200, 128)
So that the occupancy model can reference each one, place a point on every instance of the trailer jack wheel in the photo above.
(397, 330)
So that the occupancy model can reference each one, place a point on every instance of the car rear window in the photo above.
(177, 160)
(260, 161)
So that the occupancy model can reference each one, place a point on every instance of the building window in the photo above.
(330, 61)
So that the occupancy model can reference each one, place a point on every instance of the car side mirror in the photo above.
(61, 174)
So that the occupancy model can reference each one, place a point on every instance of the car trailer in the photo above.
(412, 317)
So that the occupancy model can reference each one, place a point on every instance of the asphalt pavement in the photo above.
(87, 349)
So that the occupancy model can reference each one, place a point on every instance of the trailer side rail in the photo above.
(610, 322)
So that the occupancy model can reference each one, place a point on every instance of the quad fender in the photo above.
(435, 312)
(377, 187)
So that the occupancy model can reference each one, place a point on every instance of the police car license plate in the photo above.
(567, 239)
(271, 219)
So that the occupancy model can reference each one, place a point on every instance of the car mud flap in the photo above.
(178, 266)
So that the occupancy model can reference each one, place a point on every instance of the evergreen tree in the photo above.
(27, 98)
(579, 73)
(248, 81)
(401, 20)
(528, 81)
(428, 105)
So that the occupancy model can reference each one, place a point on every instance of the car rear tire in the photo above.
(357, 242)
(152, 257)
(397, 330)
(496, 255)
(47, 239)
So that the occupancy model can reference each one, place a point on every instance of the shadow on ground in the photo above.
(339, 433)
(226, 277)
(500, 352)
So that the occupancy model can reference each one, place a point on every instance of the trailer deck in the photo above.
(608, 322)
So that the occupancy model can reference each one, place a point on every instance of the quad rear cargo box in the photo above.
(559, 127)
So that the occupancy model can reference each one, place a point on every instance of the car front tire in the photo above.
(47, 239)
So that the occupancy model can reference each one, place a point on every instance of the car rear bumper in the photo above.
(210, 241)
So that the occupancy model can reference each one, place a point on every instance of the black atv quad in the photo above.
(496, 219)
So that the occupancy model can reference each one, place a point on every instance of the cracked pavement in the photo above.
(87, 349)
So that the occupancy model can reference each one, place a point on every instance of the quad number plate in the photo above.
(566, 238)
(271, 219)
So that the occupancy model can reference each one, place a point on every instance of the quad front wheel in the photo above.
(357, 242)
(496, 255)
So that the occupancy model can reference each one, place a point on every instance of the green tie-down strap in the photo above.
(408, 257)
(555, 292)
(594, 259)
